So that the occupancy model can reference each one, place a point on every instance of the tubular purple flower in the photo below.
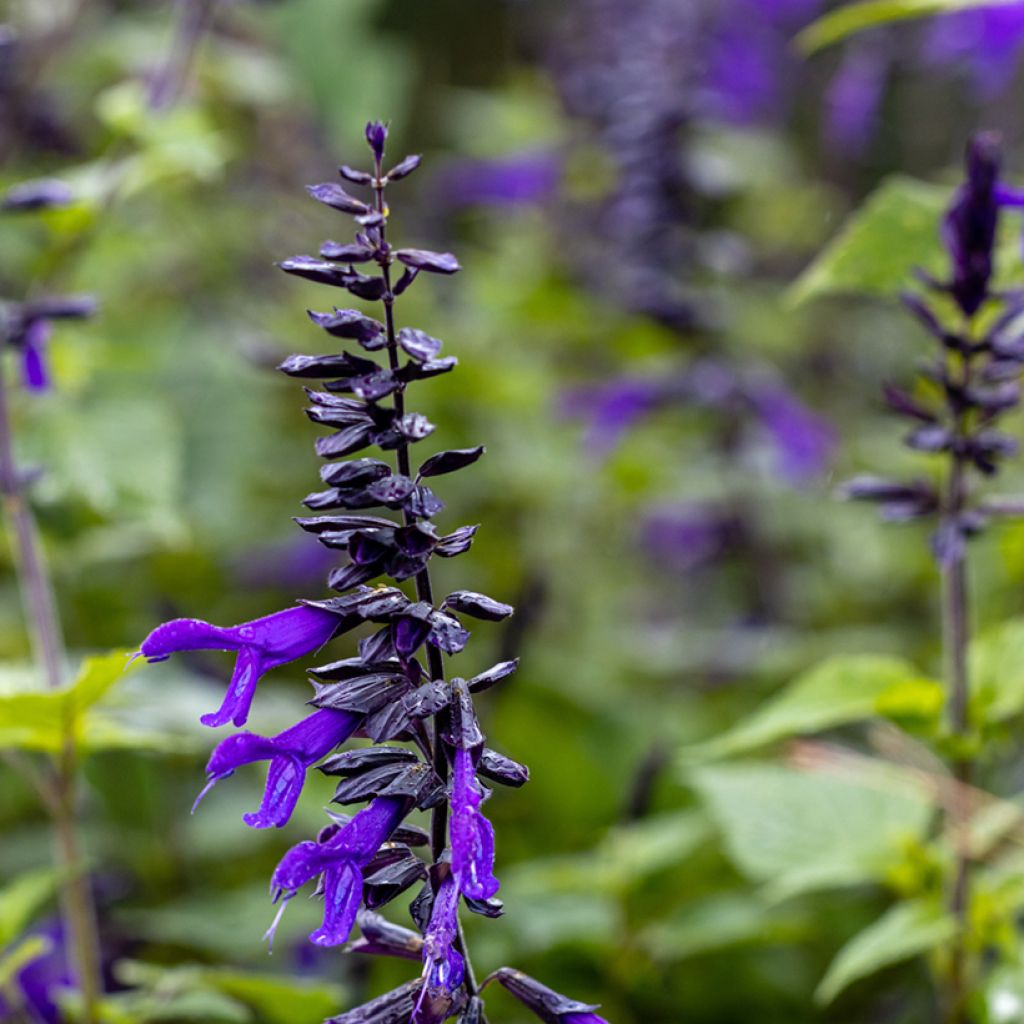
(290, 753)
(472, 835)
(443, 966)
(339, 858)
(262, 645)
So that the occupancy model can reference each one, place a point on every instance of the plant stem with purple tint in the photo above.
(424, 588)
(77, 907)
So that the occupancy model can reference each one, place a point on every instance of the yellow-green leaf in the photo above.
(904, 931)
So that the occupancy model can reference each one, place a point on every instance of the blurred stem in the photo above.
(77, 909)
(166, 86)
(956, 640)
(424, 588)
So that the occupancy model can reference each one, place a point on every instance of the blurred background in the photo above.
(635, 189)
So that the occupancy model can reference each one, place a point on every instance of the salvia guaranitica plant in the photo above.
(395, 688)
(964, 391)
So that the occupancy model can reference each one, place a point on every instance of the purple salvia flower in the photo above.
(339, 858)
(443, 965)
(988, 41)
(38, 194)
(35, 373)
(854, 96)
(520, 179)
(262, 645)
(803, 441)
(290, 753)
(472, 835)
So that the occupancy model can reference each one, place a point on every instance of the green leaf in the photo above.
(21, 955)
(624, 857)
(21, 899)
(798, 832)
(276, 999)
(997, 673)
(43, 719)
(846, 21)
(719, 922)
(893, 231)
(904, 931)
(842, 689)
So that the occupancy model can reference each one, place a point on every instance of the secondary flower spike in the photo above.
(339, 857)
(290, 753)
(262, 645)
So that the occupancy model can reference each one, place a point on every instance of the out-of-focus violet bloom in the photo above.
(854, 96)
(686, 537)
(38, 194)
(443, 965)
(290, 753)
(35, 374)
(988, 42)
(39, 982)
(472, 834)
(803, 441)
(339, 856)
(262, 645)
(520, 179)
(612, 409)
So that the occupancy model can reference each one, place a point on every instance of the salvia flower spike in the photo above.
(379, 516)
(954, 417)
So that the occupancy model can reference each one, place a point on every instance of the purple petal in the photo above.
(803, 440)
(285, 779)
(35, 374)
(343, 892)
(302, 863)
(234, 751)
(444, 966)
(241, 690)
(472, 835)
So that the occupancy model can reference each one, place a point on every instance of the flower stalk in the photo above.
(977, 379)
(396, 687)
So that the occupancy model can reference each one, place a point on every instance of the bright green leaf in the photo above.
(893, 231)
(21, 899)
(904, 931)
(798, 832)
(21, 955)
(856, 17)
(997, 673)
(842, 689)
(43, 719)
(718, 922)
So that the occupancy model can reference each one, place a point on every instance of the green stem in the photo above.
(956, 642)
(77, 909)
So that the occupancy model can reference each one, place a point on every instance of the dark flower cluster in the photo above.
(26, 326)
(974, 379)
(428, 751)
